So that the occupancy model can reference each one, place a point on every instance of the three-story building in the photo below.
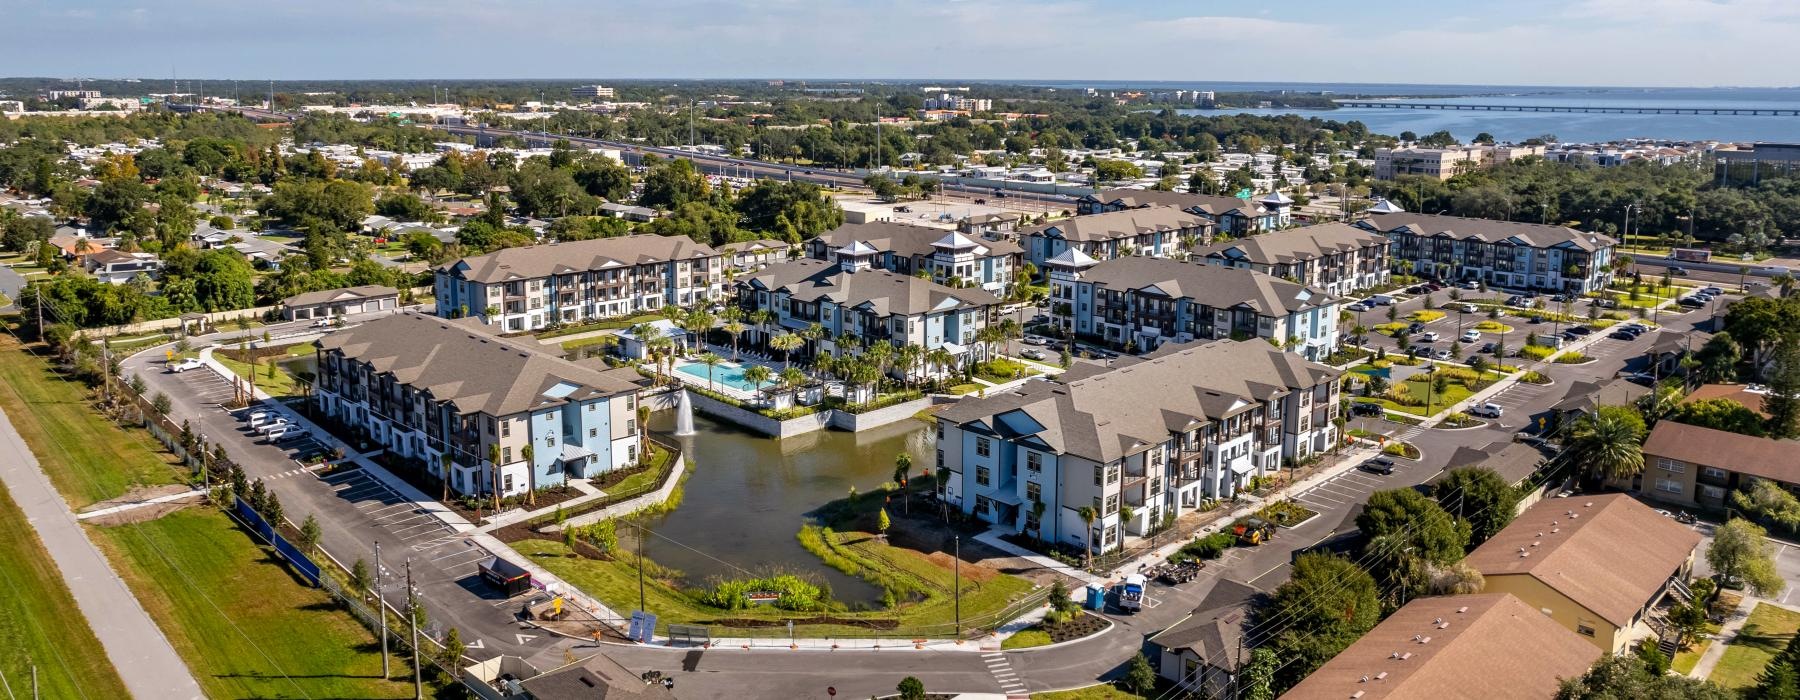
(529, 288)
(1230, 215)
(946, 257)
(1158, 232)
(1506, 254)
(1336, 257)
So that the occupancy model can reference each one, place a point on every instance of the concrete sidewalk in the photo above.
(143, 656)
(139, 504)
(1727, 632)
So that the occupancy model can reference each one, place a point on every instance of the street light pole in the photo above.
(956, 583)
(412, 615)
(381, 611)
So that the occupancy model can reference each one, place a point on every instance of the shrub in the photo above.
(1571, 358)
(1535, 352)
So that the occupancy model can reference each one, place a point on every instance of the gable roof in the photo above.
(904, 239)
(1295, 244)
(1487, 645)
(756, 246)
(575, 256)
(1121, 224)
(1761, 457)
(595, 678)
(1608, 552)
(1489, 230)
(881, 291)
(1215, 627)
(474, 371)
(1513, 461)
(1212, 285)
(345, 294)
(1208, 203)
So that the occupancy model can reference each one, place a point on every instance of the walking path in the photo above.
(1727, 632)
(143, 656)
(140, 504)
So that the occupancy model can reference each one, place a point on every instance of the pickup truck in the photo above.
(1131, 593)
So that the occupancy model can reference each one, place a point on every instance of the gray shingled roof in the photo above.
(1142, 401)
(885, 292)
(1294, 245)
(474, 371)
(1489, 230)
(1212, 285)
(576, 256)
(1211, 204)
(903, 239)
(1122, 224)
(346, 293)
(1215, 627)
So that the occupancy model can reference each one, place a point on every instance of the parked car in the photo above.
(1440, 354)
(323, 322)
(276, 424)
(1366, 408)
(1470, 284)
(1414, 327)
(1486, 410)
(1466, 308)
(1428, 336)
(1488, 348)
(284, 432)
(1471, 335)
(1515, 301)
(1358, 306)
(187, 364)
(1622, 335)
(1378, 465)
(1692, 301)
(1712, 290)
(1580, 330)
(1034, 354)
(1381, 300)
(1678, 270)
(1606, 303)
(1036, 340)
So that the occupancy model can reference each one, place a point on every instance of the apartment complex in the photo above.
(1506, 254)
(422, 387)
(522, 289)
(849, 297)
(1691, 466)
(1232, 215)
(750, 255)
(1487, 645)
(946, 257)
(1595, 564)
(1337, 257)
(1158, 232)
(1163, 434)
(1141, 303)
(1444, 163)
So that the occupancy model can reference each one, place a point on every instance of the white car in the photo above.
(284, 431)
(274, 425)
(1471, 335)
(1486, 410)
(187, 364)
(1428, 337)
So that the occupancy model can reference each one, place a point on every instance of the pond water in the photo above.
(749, 495)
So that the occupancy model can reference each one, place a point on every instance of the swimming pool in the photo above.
(724, 374)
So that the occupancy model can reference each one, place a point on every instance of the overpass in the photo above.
(1712, 111)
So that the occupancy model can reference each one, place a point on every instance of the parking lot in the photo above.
(207, 387)
(1354, 486)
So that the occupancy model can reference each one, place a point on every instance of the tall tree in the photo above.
(1739, 552)
(1783, 400)
(1480, 496)
(1610, 442)
(1325, 605)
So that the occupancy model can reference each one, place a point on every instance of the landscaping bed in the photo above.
(1402, 449)
(1285, 513)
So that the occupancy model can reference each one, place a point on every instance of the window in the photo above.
(1584, 627)
(1715, 473)
(550, 440)
(1099, 475)
(983, 447)
(1112, 504)
(981, 476)
(1668, 486)
(982, 505)
(591, 407)
(630, 425)
(631, 452)
(507, 481)
(1033, 492)
(940, 459)
(1670, 465)
(1112, 473)
(1034, 462)
(490, 425)
(506, 455)
(593, 432)
(506, 428)
(1712, 491)
(940, 430)
(593, 459)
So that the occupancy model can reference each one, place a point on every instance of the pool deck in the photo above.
(716, 385)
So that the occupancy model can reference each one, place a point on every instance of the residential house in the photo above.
(1506, 254)
(1140, 303)
(1159, 232)
(332, 303)
(1230, 215)
(1516, 462)
(1204, 651)
(1697, 467)
(114, 266)
(628, 212)
(750, 255)
(521, 289)
(1336, 257)
(1162, 435)
(1598, 564)
(849, 297)
(421, 387)
(946, 257)
(1492, 646)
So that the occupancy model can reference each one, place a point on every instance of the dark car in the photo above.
(1692, 301)
(1580, 330)
(1678, 270)
(1621, 335)
(1378, 465)
(1365, 408)
(1488, 348)
(1415, 327)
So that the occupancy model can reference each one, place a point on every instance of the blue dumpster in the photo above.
(1096, 597)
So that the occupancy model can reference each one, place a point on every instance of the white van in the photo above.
(1381, 300)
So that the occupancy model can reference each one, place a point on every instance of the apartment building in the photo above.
(1231, 215)
(1506, 254)
(1157, 232)
(1337, 257)
(523, 289)
(1445, 163)
(1141, 303)
(850, 297)
(1487, 645)
(1697, 467)
(422, 387)
(946, 257)
(750, 255)
(1161, 435)
(1596, 564)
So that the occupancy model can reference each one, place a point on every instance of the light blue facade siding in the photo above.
(586, 425)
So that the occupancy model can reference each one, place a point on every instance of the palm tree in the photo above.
(1037, 516)
(943, 486)
(444, 460)
(881, 353)
(812, 334)
(529, 452)
(757, 375)
(1610, 442)
(697, 323)
(1010, 331)
(792, 377)
(908, 357)
(787, 343)
(940, 358)
(761, 318)
(494, 463)
(1087, 515)
(643, 332)
(736, 329)
(711, 360)
(902, 465)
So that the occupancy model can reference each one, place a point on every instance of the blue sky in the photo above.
(1536, 42)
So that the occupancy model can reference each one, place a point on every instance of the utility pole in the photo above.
(381, 610)
(412, 614)
(640, 564)
(956, 583)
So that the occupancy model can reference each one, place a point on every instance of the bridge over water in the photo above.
(1717, 111)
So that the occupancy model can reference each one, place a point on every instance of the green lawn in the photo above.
(1420, 386)
(284, 382)
(244, 624)
(1686, 659)
(55, 418)
(1027, 638)
(1765, 634)
(1001, 371)
(572, 345)
(40, 624)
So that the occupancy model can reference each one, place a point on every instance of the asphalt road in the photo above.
(11, 283)
(142, 655)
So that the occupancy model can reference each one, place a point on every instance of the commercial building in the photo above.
(849, 297)
(1691, 466)
(947, 257)
(599, 91)
(958, 103)
(1337, 257)
(1749, 164)
(1506, 254)
(331, 303)
(1158, 232)
(1489, 645)
(522, 289)
(1596, 564)
(1445, 163)
(1232, 215)
(1140, 303)
(422, 387)
(1164, 434)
